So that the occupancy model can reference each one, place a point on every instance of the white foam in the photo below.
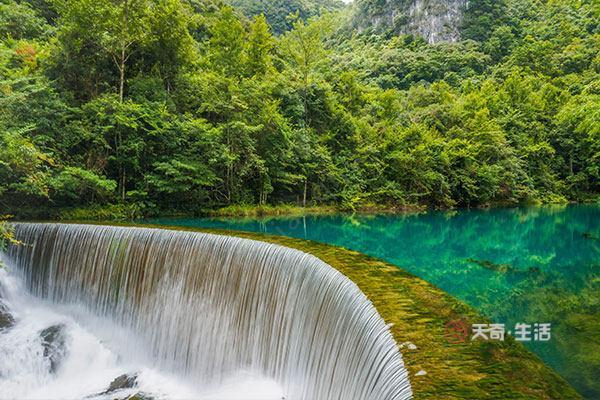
(90, 365)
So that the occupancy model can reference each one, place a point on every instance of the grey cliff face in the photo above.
(434, 20)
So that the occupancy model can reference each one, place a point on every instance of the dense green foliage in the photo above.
(6, 235)
(155, 105)
(279, 12)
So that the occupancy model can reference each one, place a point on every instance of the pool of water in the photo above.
(521, 265)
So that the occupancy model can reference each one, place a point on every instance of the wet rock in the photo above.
(125, 381)
(6, 319)
(408, 345)
(54, 344)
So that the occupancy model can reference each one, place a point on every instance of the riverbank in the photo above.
(130, 212)
(136, 211)
(420, 315)
(295, 210)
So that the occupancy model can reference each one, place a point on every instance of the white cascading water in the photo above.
(187, 315)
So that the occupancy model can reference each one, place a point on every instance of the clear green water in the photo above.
(531, 265)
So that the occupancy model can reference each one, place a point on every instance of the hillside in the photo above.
(169, 106)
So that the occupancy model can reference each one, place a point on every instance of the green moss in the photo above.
(420, 313)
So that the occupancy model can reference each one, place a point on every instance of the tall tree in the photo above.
(304, 53)
(260, 47)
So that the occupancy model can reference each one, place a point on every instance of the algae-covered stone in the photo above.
(140, 396)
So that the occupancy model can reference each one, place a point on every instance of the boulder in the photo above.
(125, 381)
(54, 344)
(6, 319)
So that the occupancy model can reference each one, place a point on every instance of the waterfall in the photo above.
(206, 307)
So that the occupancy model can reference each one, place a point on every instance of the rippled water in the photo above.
(529, 265)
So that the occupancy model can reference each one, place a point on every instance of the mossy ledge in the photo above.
(419, 313)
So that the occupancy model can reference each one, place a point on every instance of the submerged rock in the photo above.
(590, 236)
(505, 268)
(492, 266)
(6, 319)
(54, 344)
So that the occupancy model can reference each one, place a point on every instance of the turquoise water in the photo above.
(529, 265)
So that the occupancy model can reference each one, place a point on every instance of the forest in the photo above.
(132, 108)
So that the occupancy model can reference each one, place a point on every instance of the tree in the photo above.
(578, 140)
(95, 34)
(304, 53)
(482, 17)
(226, 46)
(6, 234)
(124, 27)
(74, 184)
(24, 169)
(19, 21)
(260, 47)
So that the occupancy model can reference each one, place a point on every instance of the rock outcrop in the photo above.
(434, 20)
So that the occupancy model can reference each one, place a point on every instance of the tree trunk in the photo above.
(124, 46)
(122, 75)
(571, 163)
(305, 190)
(305, 99)
(123, 182)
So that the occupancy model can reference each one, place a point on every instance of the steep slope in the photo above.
(434, 20)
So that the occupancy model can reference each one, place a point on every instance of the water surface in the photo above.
(521, 265)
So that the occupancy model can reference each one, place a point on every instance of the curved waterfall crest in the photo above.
(208, 306)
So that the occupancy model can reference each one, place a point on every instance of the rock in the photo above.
(6, 319)
(421, 373)
(408, 345)
(434, 20)
(125, 381)
(136, 396)
(140, 396)
(54, 344)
